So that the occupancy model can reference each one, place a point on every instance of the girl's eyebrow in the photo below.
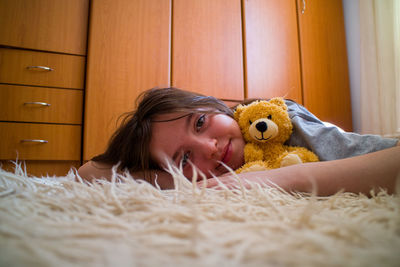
(186, 128)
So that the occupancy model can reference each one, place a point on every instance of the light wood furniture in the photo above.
(326, 89)
(29, 67)
(57, 26)
(207, 53)
(40, 104)
(231, 49)
(129, 46)
(40, 141)
(42, 74)
(272, 49)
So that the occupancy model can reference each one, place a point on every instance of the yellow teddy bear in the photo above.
(266, 126)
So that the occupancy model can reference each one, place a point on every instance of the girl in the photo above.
(195, 131)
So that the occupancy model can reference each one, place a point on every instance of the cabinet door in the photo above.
(272, 49)
(129, 53)
(326, 88)
(58, 26)
(207, 54)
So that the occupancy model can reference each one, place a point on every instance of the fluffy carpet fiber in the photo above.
(63, 222)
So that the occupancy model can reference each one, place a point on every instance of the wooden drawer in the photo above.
(59, 26)
(27, 104)
(42, 167)
(18, 67)
(63, 141)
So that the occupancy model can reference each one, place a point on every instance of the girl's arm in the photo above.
(330, 143)
(97, 170)
(358, 174)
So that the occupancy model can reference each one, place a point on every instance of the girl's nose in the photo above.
(208, 146)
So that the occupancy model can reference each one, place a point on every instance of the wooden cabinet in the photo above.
(299, 52)
(207, 52)
(40, 104)
(41, 68)
(230, 49)
(42, 74)
(272, 49)
(128, 53)
(40, 141)
(57, 26)
(326, 89)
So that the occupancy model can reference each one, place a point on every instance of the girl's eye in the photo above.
(185, 158)
(200, 122)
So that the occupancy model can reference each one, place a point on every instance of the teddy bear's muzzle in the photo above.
(263, 130)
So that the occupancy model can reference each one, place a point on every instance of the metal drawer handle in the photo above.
(34, 141)
(39, 68)
(38, 103)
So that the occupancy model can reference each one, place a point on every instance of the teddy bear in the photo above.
(266, 126)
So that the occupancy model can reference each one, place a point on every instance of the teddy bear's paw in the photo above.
(253, 167)
(290, 159)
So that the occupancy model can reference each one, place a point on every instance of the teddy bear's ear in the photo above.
(279, 102)
(238, 111)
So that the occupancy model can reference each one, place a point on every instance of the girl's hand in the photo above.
(231, 181)
(227, 180)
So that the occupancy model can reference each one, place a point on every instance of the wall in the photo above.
(352, 24)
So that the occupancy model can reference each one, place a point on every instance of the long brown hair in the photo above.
(129, 145)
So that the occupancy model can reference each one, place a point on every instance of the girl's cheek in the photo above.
(188, 172)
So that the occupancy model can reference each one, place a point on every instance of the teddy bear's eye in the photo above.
(269, 117)
(250, 122)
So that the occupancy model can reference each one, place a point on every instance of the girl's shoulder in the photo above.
(93, 169)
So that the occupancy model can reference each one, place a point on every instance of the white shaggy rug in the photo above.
(62, 222)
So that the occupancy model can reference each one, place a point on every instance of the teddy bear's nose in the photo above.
(261, 126)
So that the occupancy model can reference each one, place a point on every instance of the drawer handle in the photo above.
(39, 68)
(34, 141)
(38, 103)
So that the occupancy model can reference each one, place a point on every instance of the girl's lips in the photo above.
(226, 157)
(228, 153)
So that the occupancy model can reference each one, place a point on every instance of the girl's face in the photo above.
(205, 140)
